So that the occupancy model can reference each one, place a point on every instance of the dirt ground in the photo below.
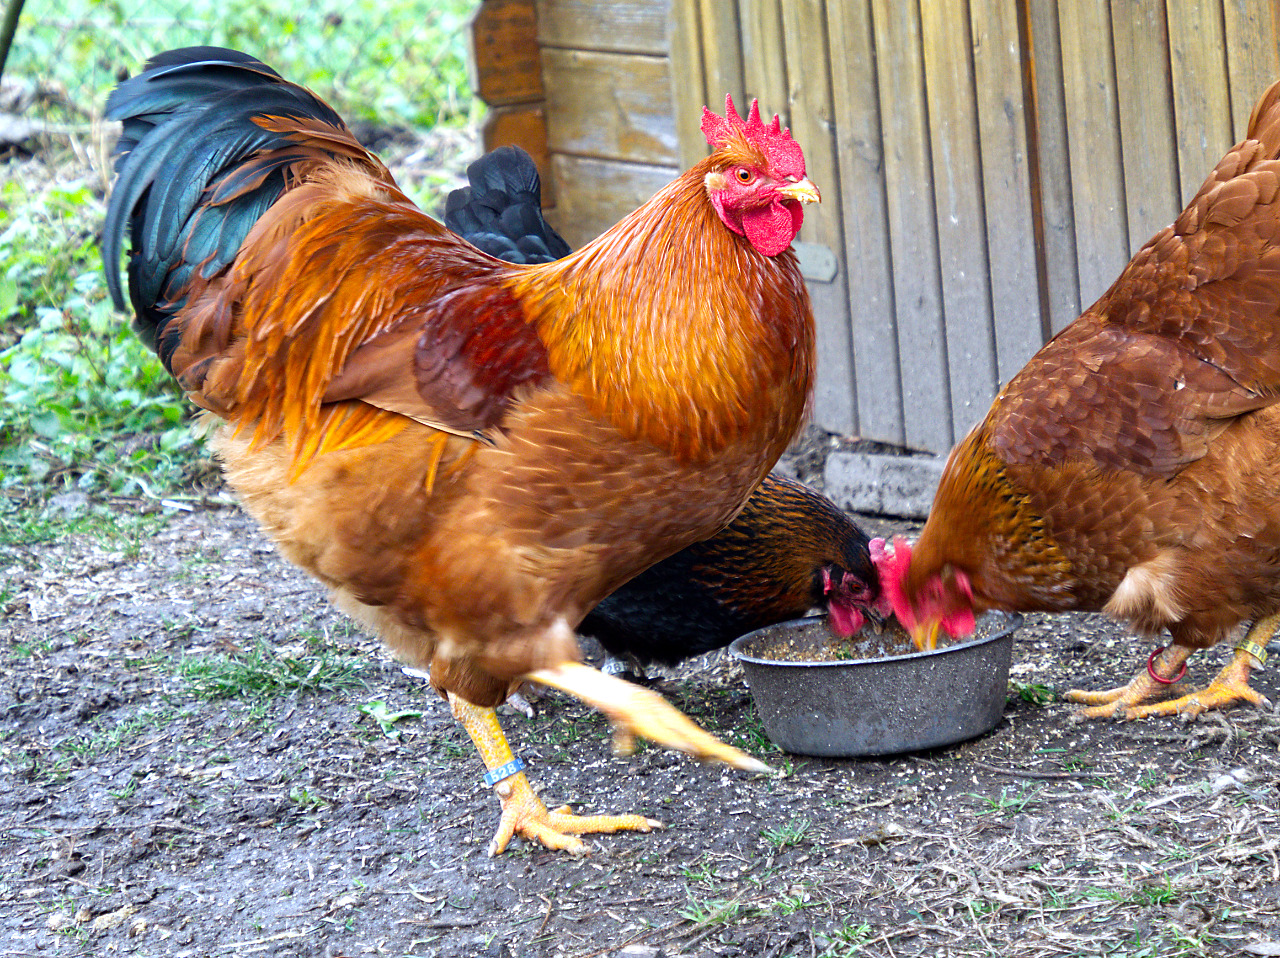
(192, 765)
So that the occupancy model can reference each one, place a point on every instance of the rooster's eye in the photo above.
(744, 175)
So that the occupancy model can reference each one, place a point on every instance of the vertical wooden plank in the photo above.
(639, 124)
(1202, 105)
(1006, 185)
(1093, 127)
(764, 66)
(688, 79)
(1051, 182)
(505, 64)
(864, 210)
(912, 230)
(1253, 55)
(722, 53)
(813, 124)
(961, 223)
(1145, 97)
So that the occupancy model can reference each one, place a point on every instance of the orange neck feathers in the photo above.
(676, 329)
(984, 526)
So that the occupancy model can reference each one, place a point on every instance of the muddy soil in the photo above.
(192, 763)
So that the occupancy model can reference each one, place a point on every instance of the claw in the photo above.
(1133, 701)
(1146, 685)
(522, 811)
(524, 814)
(636, 711)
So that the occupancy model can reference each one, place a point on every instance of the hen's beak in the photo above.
(925, 635)
(802, 190)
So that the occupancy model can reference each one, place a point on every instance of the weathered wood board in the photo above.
(987, 168)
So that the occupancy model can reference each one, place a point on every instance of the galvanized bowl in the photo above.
(879, 706)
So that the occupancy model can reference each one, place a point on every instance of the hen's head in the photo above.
(758, 184)
(850, 598)
(926, 602)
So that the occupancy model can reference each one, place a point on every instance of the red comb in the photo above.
(892, 566)
(782, 153)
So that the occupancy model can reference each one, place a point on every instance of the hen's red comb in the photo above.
(783, 154)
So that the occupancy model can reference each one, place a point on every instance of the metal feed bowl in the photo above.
(879, 706)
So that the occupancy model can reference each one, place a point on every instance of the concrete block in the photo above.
(882, 485)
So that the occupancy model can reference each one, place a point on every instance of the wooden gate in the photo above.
(987, 166)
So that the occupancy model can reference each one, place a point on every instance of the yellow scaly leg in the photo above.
(639, 712)
(1230, 685)
(1119, 702)
(523, 813)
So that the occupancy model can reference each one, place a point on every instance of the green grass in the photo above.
(845, 941)
(98, 742)
(1033, 693)
(263, 673)
(784, 836)
(712, 911)
(84, 405)
(400, 63)
(1010, 801)
(25, 523)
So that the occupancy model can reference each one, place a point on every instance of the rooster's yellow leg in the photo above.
(522, 811)
(1142, 688)
(636, 711)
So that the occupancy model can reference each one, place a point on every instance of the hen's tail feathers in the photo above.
(501, 211)
(211, 139)
(1264, 122)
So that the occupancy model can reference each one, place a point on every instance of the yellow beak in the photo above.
(925, 635)
(802, 190)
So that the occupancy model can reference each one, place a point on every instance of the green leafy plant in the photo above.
(83, 403)
(385, 717)
(719, 911)
(1033, 693)
(787, 834)
(403, 62)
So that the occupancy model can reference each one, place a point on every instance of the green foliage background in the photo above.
(84, 406)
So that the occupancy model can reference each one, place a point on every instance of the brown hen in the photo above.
(1133, 466)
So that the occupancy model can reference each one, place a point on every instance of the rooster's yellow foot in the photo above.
(524, 814)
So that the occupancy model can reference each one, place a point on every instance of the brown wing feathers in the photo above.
(292, 273)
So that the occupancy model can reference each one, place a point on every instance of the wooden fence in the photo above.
(987, 167)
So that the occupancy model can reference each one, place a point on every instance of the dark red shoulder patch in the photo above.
(475, 351)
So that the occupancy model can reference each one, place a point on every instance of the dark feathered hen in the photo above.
(469, 453)
(788, 552)
(501, 210)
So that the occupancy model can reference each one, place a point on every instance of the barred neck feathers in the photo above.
(985, 525)
(676, 330)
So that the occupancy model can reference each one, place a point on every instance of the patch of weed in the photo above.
(262, 673)
(787, 834)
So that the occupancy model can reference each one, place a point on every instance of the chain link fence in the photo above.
(401, 63)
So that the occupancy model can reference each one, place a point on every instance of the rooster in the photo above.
(788, 551)
(1133, 466)
(470, 454)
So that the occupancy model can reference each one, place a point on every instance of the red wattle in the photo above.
(772, 228)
